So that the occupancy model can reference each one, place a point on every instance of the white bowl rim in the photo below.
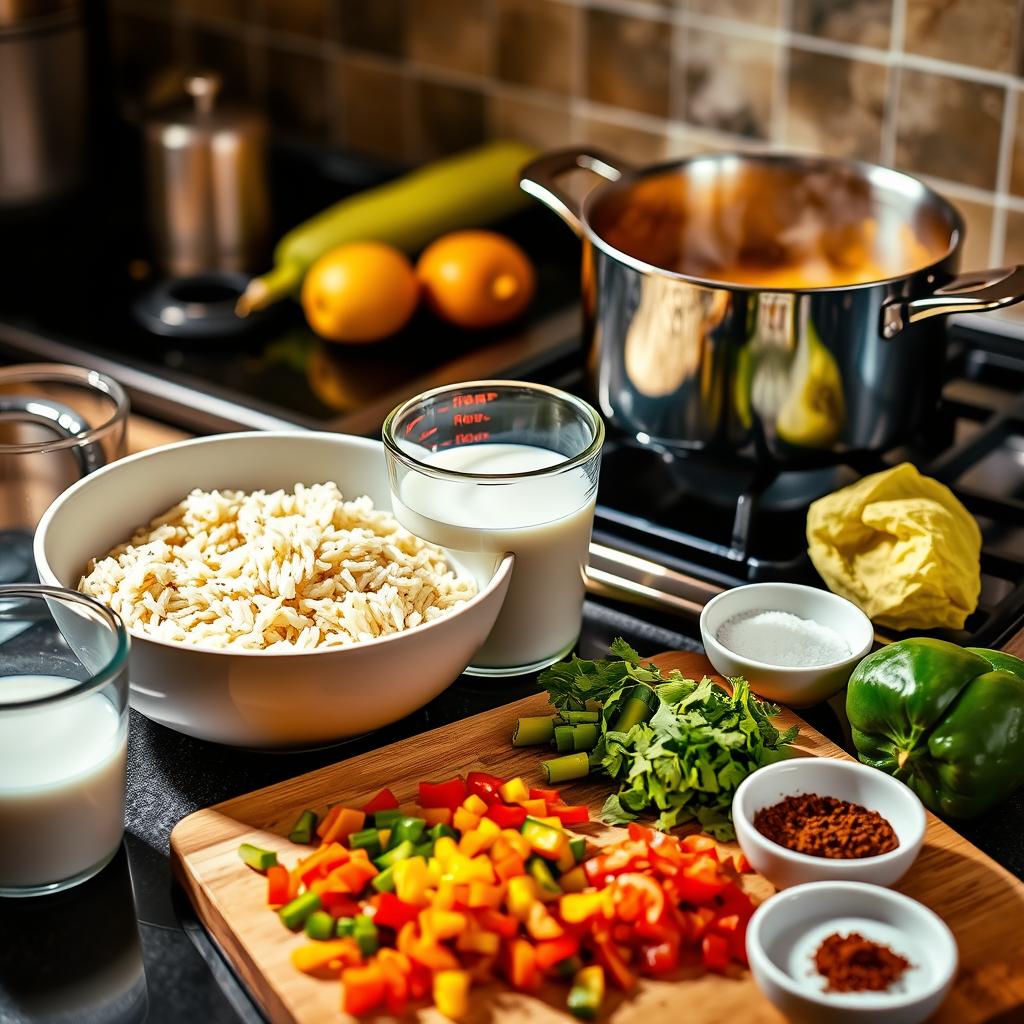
(843, 1001)
(917, 827)
(827, 595)
(502, 570)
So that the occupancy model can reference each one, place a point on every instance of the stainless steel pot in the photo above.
(717, 307)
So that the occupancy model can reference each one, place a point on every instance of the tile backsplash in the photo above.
(929, 86)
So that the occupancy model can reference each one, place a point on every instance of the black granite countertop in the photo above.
(126, 947)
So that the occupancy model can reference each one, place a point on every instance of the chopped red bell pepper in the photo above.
(715, 952)
(385, 800)
(500, 924)
(448, 794)
(393, 912)
(278, 885)
(661, 958)
(700, 844)
(569, 815)
(611, 960)
(522, 966)
(506, 815)
(640, 832)
(485, 786)
(554, 951)
(364, 989)
(551, 796)
(637, 896)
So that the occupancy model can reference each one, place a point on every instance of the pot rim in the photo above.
(865, 169)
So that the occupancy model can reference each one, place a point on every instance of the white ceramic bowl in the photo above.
(258, 699)
(787, 929)
(845, 780)
(796, 687)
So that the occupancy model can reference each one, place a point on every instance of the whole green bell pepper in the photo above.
(946, 720)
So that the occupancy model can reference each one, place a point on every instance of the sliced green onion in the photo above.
(564, 769)
(368, 839)
(365, 934)
(294, 914)
(532, 731)
(581, 717)
(344, 927)
(258, 859)
(585, 736)
(320, 925)
(564, 742)
(641, 703)
(304, 827)
(387, 818)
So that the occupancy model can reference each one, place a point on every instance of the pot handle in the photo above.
(978, 291)
(540, 179)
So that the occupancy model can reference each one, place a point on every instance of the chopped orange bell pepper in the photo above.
(574, 880)
(479, 941)
(320, 863)
(465, 821)
(521, 894)
(522, 971)
(475, 805)
(326, 959)
(509, 866)
(501, 924)
(433, 955)
(278, 885)
(412, 880)
(535, 808)
(347, 822)
(451, 993)
(395, 968)
(363, 989)
(541, 925)
(482, 896)
(436, 815)
(441, 924)
(328, 819)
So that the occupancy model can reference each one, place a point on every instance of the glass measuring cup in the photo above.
(57, 424)
(505, 466)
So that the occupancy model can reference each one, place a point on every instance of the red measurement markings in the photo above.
(426, 434)
(480, 435)
(469, 419)
(412, 424)
(477, 398)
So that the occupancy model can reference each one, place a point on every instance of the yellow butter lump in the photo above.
(901, 546)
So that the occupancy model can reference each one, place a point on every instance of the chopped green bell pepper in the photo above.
(946, 720)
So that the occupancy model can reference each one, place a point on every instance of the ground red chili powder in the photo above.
(823, 826)
(851, 963)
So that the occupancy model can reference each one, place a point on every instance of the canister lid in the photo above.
(204, 116)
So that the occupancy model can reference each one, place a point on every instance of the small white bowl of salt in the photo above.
(795, 645)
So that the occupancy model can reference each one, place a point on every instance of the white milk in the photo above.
(545, 521)
(62, 779)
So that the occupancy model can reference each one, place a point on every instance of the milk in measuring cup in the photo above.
(62, 778)
(544, 521)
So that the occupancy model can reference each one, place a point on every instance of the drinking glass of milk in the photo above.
(63, 738)
(490, 467)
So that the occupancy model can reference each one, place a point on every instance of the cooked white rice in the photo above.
(272, 571)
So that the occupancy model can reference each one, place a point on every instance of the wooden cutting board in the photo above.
(982, 902)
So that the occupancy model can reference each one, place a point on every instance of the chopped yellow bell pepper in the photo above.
(444, 849)
(451, 993)
(411, 880)
(535, 808)
(515, 841)
(384, 835)
(578, 907)
(464, 869)
(444, 897)
(474, 805)
(521, 894)
(515, 791)
(437, 925)
(566, 860)
(479, 839)
(327, 958)
(465, 821)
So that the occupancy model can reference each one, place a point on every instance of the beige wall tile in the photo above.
(628, 61)
(835, 105)
(632, 145)
(729, 82)
(979, 32)
(452, 34)
(760, 12)
(297, 94)
(539, 43)
(378, 128)
(446, 118)
(297, 17)
(866, 22)
(949, 128)
(546, 126)
(1013, 250)
(1017, 166)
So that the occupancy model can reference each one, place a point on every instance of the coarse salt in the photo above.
(781, 638)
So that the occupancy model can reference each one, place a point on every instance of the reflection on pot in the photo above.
(92, 973)
(787, 376)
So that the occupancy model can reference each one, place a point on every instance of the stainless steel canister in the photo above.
(43, 93)
(206, 168)
(684, 356)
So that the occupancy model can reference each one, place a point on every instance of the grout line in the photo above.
(1004, 168)
(890, 116)
(679, 45)
(780, 85)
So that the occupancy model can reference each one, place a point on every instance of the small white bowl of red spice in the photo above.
(850, 953)
(814, 819)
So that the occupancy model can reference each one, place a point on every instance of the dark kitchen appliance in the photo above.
(786, 306)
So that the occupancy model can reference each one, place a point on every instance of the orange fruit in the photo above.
(476, 278)
(360, 292)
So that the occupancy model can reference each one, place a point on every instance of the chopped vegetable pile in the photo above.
(483, 879)
(676, 747)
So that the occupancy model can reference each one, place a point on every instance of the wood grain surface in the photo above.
(981, 902)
